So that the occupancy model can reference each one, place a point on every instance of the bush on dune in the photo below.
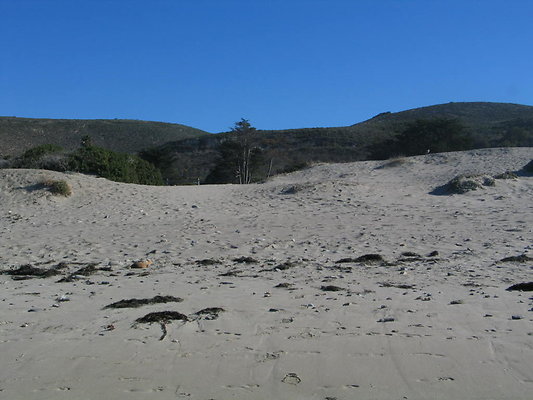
(89, 159)
(58, 187)
(118, 167)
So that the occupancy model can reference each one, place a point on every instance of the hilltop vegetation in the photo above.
(186, 155)
(127, 136)
(90, 159)
(473, 125)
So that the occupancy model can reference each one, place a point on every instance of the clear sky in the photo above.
(279, 63)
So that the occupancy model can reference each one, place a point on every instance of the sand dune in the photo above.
(285, 319)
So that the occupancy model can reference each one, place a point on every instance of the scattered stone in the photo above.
(281, 267)
(434, 253)
(522, 287)
(454, 302)
(331, 288)
(291, 378)
(285, 266)
(141, 264)
(283, 285)
(135, 303)
(516, 317)
(521, 258)
(386, 319)
(292, 189)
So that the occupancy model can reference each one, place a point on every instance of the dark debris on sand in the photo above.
(245, 260)
(522, 287)
(135, 303)
(282, 267)
(331, 288)
(396, 285)
(88, 270)
(208, 261)
(233, 272)
(209, 313)
(521, 258)
(28, 272)
(162, 317)
(365, 259)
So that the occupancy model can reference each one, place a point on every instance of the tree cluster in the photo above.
(240, 157)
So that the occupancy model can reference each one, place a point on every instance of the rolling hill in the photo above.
(486, 125)
(187, 155)
(128, 136)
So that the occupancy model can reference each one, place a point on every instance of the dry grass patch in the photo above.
(57, 187)
(395, 162)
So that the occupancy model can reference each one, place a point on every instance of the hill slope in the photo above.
(129, 136)
(486, 124)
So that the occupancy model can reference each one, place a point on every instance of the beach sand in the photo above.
(430, 318)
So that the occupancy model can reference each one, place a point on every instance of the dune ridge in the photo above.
(268, 310)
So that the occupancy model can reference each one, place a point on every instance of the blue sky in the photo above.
(279, 63)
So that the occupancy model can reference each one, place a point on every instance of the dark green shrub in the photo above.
(118, 167)
(422, 136)
(39, 157)
(465, 183)
(36, 153)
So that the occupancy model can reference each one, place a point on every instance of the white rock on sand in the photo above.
(440, 327)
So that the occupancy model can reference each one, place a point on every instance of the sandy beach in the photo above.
(362, 280)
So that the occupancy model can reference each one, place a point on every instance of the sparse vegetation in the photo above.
(58, 187)
(394, 162)
(465, 183)
(506, 175)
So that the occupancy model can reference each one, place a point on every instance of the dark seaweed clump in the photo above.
(135, 303)
(522, 287)
(366, 259)
(331, 288)
(520, 258)
(28, 271)
(245, 260)
(162, 317)
(84, 271)
(209, 313)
